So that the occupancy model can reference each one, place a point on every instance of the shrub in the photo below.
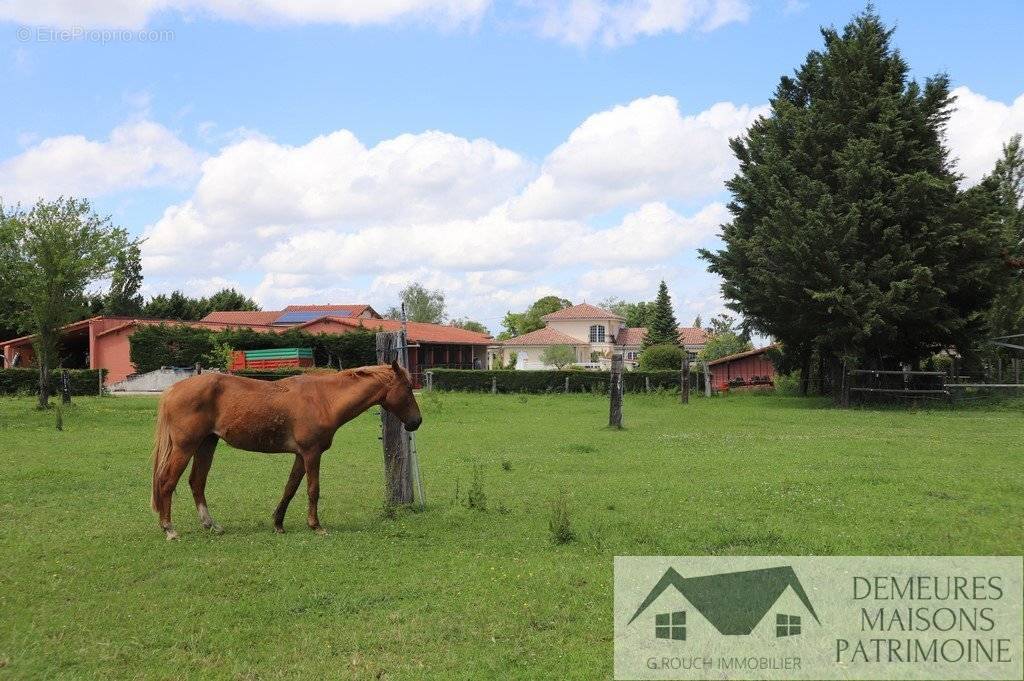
(558, 355)
(471, 380)
(664, 357)
(25, 381)
(787, 384)
(476, 498)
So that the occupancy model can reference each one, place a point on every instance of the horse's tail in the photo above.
(161, 452)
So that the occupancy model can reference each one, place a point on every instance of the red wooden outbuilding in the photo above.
(750, 368)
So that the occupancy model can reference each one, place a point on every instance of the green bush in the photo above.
(551, 381)
(26, 381)
(177, 345)
(664, 357)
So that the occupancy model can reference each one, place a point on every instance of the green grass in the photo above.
(89, 587)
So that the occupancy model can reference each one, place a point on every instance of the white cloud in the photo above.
(978, 128)
(138, 154)
(137, 13)
(646, 150)
(614, 23)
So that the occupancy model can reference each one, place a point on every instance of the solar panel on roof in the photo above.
(302, 317)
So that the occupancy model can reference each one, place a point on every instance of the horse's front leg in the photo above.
(298, 470)
(311, 460)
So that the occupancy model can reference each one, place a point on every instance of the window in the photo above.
(787, 625)
(670, 625)
(597, 333)
(631, 355)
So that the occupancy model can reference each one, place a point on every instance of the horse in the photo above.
(299, 414)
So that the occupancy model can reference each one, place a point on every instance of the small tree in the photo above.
(470, 325)
(722, 344)
(661, 357)
(558, 356)
(50, 254)
(663, 327)
(421, 304)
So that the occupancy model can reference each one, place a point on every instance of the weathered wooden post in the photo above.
(494, 385)
(707, 379)
(65, 386)
(684, 380)
(398, 474)
(199, 368)
(615, 408)
(566, 385)
(647, 384)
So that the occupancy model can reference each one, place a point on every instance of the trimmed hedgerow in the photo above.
(519, 381)
(26, 381)
(177, 345)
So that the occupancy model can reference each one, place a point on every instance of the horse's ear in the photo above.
(395, 366)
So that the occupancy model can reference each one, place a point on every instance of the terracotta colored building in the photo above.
(103, 342)
(752, 367)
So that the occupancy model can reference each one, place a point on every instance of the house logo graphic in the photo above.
(734, 603)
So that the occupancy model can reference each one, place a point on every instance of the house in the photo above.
(593, 333)
(104, 342)
(750, 368)
(768, 603)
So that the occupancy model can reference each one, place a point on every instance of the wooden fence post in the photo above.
(647, 384)
(615, 407)
(199, 368)
(397, 469)
(684, 380)
(566, 385)
(494, 385)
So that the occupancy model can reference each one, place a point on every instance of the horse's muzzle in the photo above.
(414, 424)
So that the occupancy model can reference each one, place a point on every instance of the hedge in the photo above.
(26, 381)
(178, 345)
(519, 381)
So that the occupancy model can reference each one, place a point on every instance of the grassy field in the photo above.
(89, 587)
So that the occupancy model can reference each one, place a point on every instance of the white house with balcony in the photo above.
(594, 334)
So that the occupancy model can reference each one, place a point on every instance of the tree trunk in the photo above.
(44, 378)
(805, 373)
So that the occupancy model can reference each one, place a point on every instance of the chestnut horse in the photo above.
(299, 414)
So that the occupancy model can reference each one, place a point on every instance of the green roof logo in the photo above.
(733, 602)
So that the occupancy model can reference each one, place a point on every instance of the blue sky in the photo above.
(312, 152)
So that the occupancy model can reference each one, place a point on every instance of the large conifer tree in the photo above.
(849, 236)
(663, 328)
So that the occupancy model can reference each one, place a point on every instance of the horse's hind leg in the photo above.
(294, 478)
(197, 481)
(177, 461)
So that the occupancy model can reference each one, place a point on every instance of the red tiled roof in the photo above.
(690, 335)
(545, 336)
(262, 318)
(741, 355)
(582, 311)
(635, 335)
(418, 332)
(353, 310)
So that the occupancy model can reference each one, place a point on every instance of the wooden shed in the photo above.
(744, 369)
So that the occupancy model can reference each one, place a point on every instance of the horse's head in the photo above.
(399, 399)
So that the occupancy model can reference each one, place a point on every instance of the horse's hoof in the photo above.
(321, 531)
(278, 529)
(171, 535)
(216, 529)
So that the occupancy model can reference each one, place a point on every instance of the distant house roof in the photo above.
(545, 336)
(418, 332)
(353, 310)
(262, 318)
(634, 335)
(582, 311)
(741, 355)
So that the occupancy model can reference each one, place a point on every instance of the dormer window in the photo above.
(597, 333)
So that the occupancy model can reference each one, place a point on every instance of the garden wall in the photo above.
(520, 381)
(26, 381)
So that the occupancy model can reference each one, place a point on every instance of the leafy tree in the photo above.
(661, 357)
(849, 235)
(519, 323)
(662, 328)
(421, 304)
(124, 298)
(558, 356)
(637, 314)
(176, 305)
(697, 322)
(50, 255)
(722, 344)
(470, 325)
(228, 299)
